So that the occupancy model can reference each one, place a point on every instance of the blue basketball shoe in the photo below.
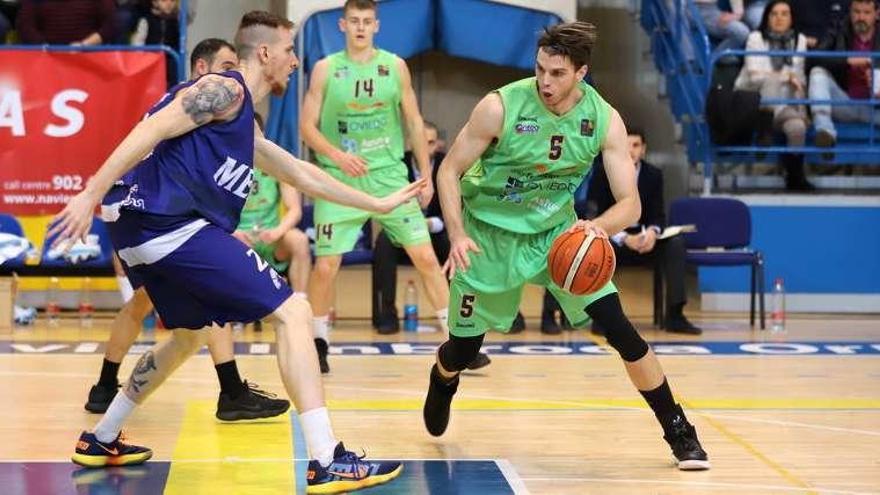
(92, 453)
(349, 472)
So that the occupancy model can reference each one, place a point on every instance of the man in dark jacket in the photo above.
(813, 18)
(846, 78)
(639, 243)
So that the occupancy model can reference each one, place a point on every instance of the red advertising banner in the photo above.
(61, 115)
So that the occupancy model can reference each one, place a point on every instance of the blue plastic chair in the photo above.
(10, 225)
(723, 236)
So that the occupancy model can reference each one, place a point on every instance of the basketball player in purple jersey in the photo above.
(185, 173)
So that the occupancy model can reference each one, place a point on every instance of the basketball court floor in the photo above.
(794, 413)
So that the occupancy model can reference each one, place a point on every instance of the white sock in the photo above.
(321, 328)
(319, 435)
(110, 425)
(443, 318)
(125, 288)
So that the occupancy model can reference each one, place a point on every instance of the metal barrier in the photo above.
(872, 102)
(688, 61)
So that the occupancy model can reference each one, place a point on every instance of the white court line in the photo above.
(707, 484)
(512, 477)
(573, 405)
(234, 459)
(580, 405)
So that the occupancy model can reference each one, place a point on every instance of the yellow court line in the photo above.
(202, 436)
(786, 474)
(466, 404)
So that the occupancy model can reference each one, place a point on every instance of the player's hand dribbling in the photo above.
(459, 259)
(75, 220)
(588, 225)
(404, 194)
(351, 165)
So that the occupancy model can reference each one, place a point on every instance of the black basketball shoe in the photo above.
(253, 403)
(438, 401)
(682, 437)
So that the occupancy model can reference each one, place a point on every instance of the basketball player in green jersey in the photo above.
(507, 191)
(275, 238)
(353, 116)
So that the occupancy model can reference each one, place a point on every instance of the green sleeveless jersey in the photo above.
(525, 181)
(360, 113)
(261, 207)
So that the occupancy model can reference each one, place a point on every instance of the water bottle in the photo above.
(86, 309)
(777, 316)
(149, 322)
(52, 307)
(411, 308)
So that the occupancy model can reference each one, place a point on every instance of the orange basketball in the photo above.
(580, 262)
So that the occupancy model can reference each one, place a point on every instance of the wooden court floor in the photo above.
(793, 413)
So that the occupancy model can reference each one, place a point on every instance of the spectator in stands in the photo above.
(66, 22)
(160, 26)
(639, 243)
(726, 26)
(844, 79)
(780, 77)
(816, 17)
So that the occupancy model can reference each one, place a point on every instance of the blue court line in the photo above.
(300, 453)
(510, 348)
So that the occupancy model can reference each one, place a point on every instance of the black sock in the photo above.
(109, 372)
(660, 399)
(230, 381)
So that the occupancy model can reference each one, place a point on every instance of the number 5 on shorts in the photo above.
(467, 305)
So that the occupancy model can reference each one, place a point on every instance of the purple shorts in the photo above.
(195, 273)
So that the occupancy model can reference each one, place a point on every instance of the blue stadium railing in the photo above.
(179, 55)
(683, 54)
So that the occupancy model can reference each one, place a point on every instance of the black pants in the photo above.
(386, 257)
(668, 255)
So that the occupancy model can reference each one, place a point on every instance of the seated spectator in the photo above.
(780, 77)
(726, 26)
(638, 244)
(816, 17)
(66, 22)
(844, 79)
(161, 26)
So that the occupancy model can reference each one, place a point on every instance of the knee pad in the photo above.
(458, 352)
(621, 335)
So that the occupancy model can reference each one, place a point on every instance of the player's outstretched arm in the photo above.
(475, 137)
(313, 181)
(621, 174)
(415, 130)
(309, 119)
(212, 98)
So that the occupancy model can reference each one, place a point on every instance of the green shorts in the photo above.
(487, 295)
(337, 227)
(267, 252)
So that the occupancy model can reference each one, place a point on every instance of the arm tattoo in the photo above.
(209, 98)
(146, 363)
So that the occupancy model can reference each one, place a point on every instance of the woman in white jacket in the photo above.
(780, 77)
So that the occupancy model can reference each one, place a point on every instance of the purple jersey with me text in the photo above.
(205, 173)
